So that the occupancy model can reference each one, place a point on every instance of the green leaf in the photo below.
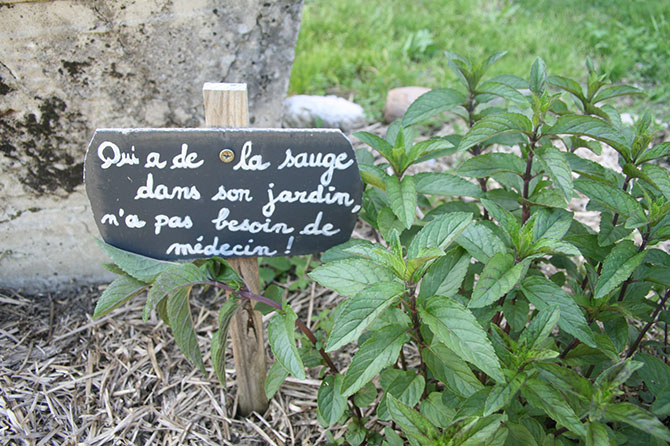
(655, 373)
(608, 234)
(366, 396)
(659, 178)
(538, 77)
(500, 275)
(595, 128)
(457, 328)
(543, 396)
(596, 435)
(446, 185)
(616, 375)
(379, 144)
(617, 267)
(638, 418)
(543, 294)
(439, 233)
(432, 103)
(446, 275)
(485, 431)
(331, 403)
(142, 268)
(350, 276)
(609, 197)
(568, 85)
(373, 175)
(558, 169)
(550, 246)
(412, 422)
(406, 386)
(494, 125)
(657, 151)
(402, 197)
(661, 406)
(501, 395)
(169, 280)
(450, 369)
(541, 326)
(281, 334)
(274, 379)
(359, 311)
(489, 164)
(503, 90)
(181, 323)
(375, 354)
(437, 411)
(613, 91)
(218, 348)
(520, 435)
(120, 291)
(480, 242)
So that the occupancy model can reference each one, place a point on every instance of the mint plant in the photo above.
(485, 311)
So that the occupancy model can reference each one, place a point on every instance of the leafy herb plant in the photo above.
(486, 312)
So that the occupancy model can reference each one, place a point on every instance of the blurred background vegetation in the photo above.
(359, 49)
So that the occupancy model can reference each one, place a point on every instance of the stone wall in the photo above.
(69, 67)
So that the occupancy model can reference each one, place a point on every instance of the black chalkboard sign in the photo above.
(196, 193)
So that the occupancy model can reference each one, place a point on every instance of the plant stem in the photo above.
(645, 238)
(654, 315)
(417, 331)
(257, 297)
(525, 209)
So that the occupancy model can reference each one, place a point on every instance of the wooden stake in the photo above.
(226, 106)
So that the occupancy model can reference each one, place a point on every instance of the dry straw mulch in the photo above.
(66, 379)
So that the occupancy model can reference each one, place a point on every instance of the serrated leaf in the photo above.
(406, 386)
(616, 200)
(638, 418)
(659, 178)
(274, 379)
(480, 242)
(538, 77)
(366, 396)
(446, 275)
(558, 169)
(120, 291)
(450, 369)
(169, 280)
(499, 276)
(550, 246)
(359, 311)
(375, 354)
(485, 431)
(657, 151)
(432, 103)
(568, 85)
(613, 91)
(520, 435)
(218, 347)
(617, 267)
(543, 396)
(140, 267)
(439, 233)
(457, 328)
(379, 144)
(595, 128)
(608, 233)
(436, 411)
(655, 373)
(350, 276)
(494, 125)
(543, 294)
(281, 334)
(596, 435)
(373, 175)
(402, 197)
(502, 90)
(331, 403)
(591, 170)
(412, 422)
(489, 164)
(181, 324)
(501, 394)
(387, 223)
(446, 185)
(540, 327)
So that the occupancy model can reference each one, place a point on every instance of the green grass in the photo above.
(364, 48)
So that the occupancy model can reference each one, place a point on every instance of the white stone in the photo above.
(303, 111)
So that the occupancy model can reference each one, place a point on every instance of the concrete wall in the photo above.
(69, 67)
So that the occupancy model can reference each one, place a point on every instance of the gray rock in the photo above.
(70, 67)
(304, 111)
(398, 101)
